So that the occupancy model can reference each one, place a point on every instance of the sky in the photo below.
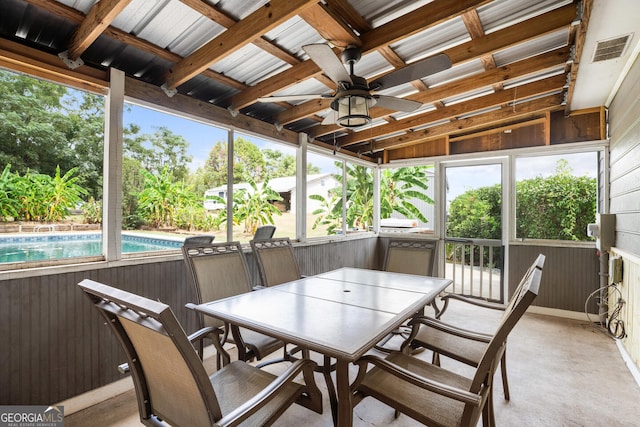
(202, 137)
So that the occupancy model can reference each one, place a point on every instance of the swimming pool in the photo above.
(49, 247)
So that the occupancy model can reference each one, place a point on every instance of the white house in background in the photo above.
(285, 186)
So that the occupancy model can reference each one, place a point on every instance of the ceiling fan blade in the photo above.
(415, 71)
(302, 97)
(331, 118)
(323, 55)
(398, 104)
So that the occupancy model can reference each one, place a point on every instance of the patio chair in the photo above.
(264, 232)
(411, 257)
(170, 380)
(276, 261)
(464, 345)
(219, 270)
(435, 396)
(277, 264)
(201, 238)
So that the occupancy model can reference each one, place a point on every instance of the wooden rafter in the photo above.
(240, 34)
(528, 90)
(420, 19)
(330, 26)
(483, 120)
(491, 77)
(581, 33)
(222, 18)
(73, 15)
(554, 20)
(97, 20)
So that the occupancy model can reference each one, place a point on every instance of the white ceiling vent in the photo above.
(611, 48)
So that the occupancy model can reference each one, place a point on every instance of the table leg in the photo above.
(331, 389)
(345, 410)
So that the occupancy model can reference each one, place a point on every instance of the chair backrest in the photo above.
(217, 270)
(201, 238)
(276, 261)
(517, 293)
(264, 232)
(528, 291)
(170, 380)
(411, 256)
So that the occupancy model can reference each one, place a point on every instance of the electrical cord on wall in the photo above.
(614, 325)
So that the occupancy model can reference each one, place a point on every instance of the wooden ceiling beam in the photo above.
(427, 16)
(73, 15)
(47, 66)
(491, 118)
(302, 111)
(554, 20)
(97, 20)
(521, 32)
(240, 34)
(580, 36)
(421, 19)
(330, 26)
(222, 18)
(521, 92)
(349, 14)
(490, 77)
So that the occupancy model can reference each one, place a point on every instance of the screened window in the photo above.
(556, 196)
(51, 157)
(359, 198)
(324, 194)
(265, 192)
(169, 165)
(407, 199)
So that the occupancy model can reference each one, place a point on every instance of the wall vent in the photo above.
(611, 48)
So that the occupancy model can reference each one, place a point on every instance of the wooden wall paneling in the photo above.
(431, 148)
(506, 138)
(578, 127)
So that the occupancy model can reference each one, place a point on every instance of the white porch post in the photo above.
(112, 168)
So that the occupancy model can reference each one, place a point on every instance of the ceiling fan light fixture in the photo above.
(353, 110)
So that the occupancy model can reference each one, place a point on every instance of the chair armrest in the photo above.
(473, 301)
(420, 381)
(204, 333)
(450, 329)
(251, 406)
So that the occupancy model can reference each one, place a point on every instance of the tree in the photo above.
(476, 213)
(557, 207)
(33, 127)
(160, 198)
(158, 150)
(279, 164)
(85, 111)
(9, 203)
(254, 207)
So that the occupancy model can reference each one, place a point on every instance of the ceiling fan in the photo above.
(354, 96)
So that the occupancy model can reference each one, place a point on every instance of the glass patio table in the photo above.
(341, 314)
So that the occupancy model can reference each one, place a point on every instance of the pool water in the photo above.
(42, 248)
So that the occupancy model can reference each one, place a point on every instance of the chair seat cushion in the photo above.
(238, 382)
(425, 406)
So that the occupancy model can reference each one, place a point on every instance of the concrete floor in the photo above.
(561, 373)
